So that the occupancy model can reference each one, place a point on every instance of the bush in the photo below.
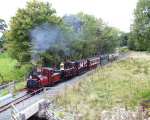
(9, 71)
(123, 50)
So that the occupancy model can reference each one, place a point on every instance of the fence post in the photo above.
(44, 93)
(14, 113)
(14, 86)
(11, 87)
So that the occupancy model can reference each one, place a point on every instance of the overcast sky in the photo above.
(117, 13)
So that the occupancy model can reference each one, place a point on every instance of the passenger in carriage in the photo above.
(62, 66)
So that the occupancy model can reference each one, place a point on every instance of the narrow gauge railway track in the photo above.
(18, 100)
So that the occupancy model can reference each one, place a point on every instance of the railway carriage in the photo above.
(104, 59)
(82, 66)
(93, 62)
(113, 57)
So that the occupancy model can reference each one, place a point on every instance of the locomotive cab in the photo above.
(33, 80)
(51, 75)
(46, 77)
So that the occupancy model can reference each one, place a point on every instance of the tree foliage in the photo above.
(124, 37)
(94, 36)
(140, 29)
(34, 14)
(3, 25)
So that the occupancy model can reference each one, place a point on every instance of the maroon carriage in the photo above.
(82, 66)
(70, 70)
(93, 62)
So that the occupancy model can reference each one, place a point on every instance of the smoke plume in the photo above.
(51, 37)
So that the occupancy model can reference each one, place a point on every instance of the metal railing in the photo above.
(7, 85)
(18, 100)
(14, 113)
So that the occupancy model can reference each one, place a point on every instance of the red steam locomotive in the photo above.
(44, 76)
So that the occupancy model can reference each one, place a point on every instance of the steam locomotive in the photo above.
(45, 76)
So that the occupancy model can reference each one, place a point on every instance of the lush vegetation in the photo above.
(125, 83)
(10, 71)
(89, 36)
(94, 36)
(3, 27)
(18, 40)
(139, 35)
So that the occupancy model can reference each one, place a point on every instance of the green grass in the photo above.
(123, 49)
(125, 83)
(20, 85)
(9, 71)
(4, 92)
(7, 66)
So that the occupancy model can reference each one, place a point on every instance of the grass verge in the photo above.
(125, 83)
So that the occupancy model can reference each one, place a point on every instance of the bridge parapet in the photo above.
(39, 107)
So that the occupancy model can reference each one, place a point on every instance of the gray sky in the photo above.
(117, 13)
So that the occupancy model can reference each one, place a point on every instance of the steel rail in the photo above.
(18, 100)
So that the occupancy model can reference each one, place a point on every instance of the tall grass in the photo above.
(125, 83)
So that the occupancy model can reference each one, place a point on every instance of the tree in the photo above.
(2, 41)
(89, 34)
(84, 38)
(124, 39)
(140, 29)
(100, 37)
(3, 25)
(18, 40)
